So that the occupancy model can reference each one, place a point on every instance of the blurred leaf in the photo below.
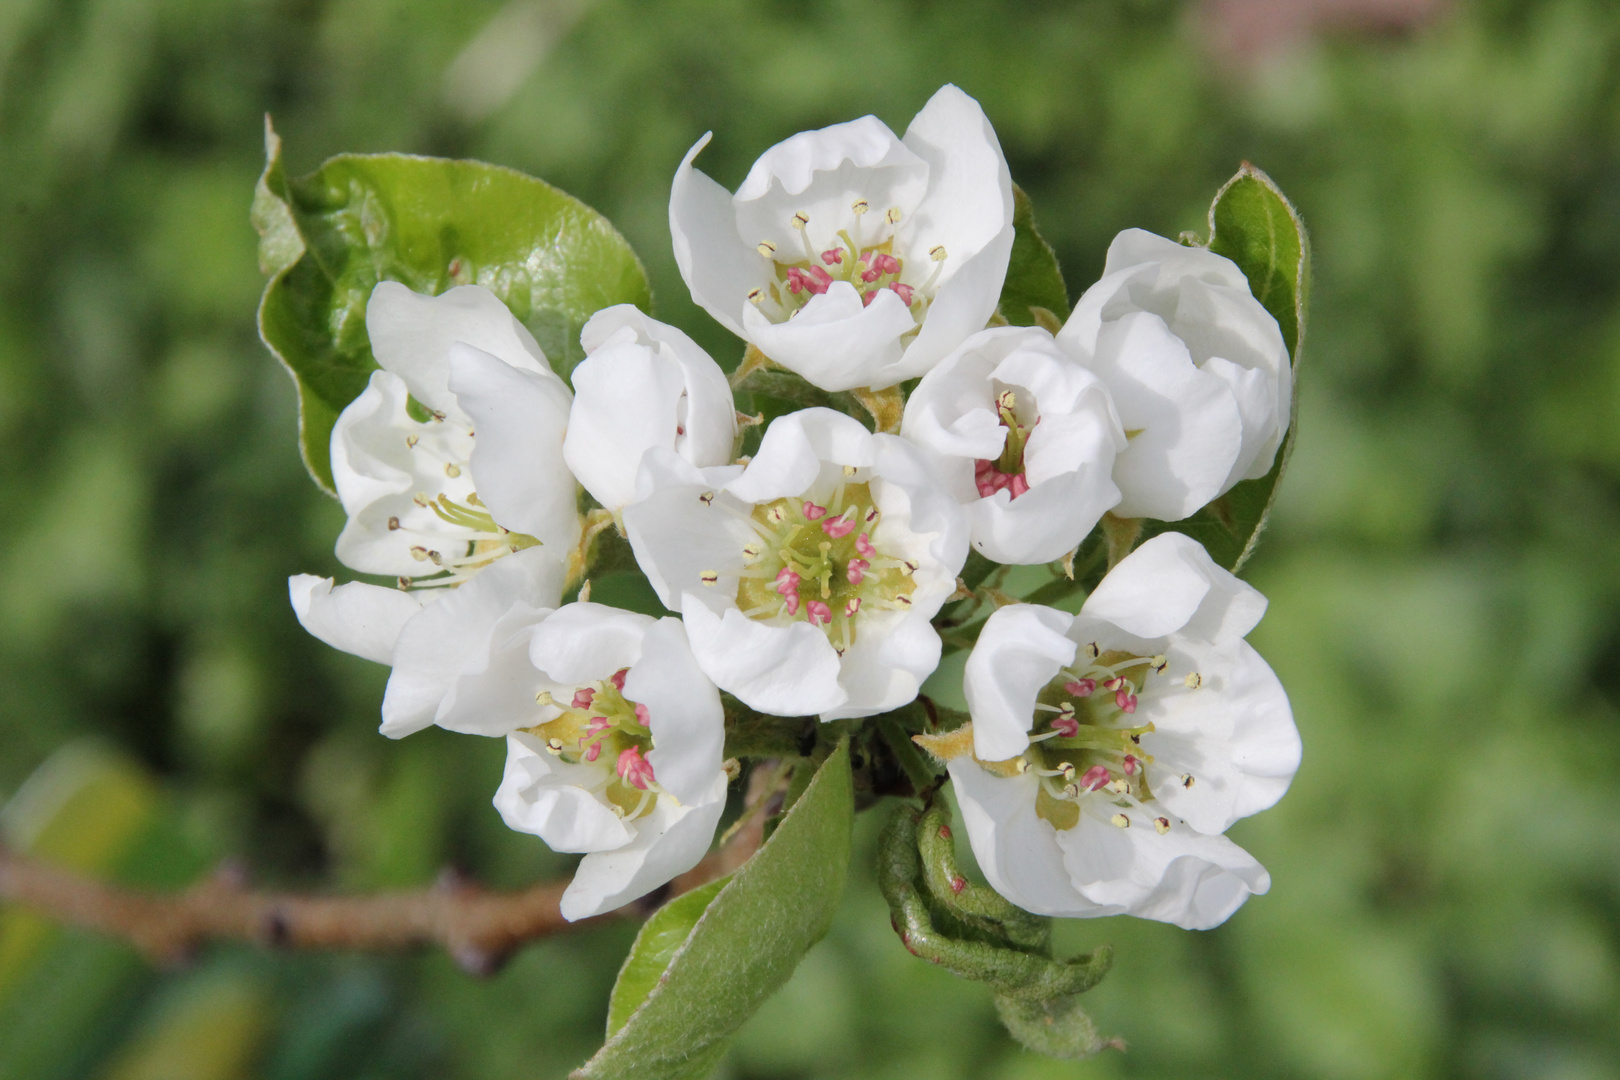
(431, 223)
(1252, 223)
(655, 946)
(211, 1029)
(745, 945)
(1034, 279)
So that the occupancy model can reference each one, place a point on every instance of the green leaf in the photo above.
(328, 238)
(655, 946)
(1252, 223)
(743, 946)
(1033, 293)
(1055, 1028)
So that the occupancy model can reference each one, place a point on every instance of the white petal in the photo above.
(962, 305)
(357, 618)
(1170, 583)
(493, 692)
(1017, 850)
(435, 647)
(791, 454)
(885, 666)
(586, 643)
(667, 842)
(677, 536)
(970, 201)
(684, 713)
(411, 335)
(1173, 261)
(549, 798)
(1234, 736)
(626, 398)
(1021, 648)
(717, 265)
(837, 343)
(520, 417)
(1046, 522)
(1182, 877)
(710, 414)
(1253, 392)
(785, 670)
(1185, 430)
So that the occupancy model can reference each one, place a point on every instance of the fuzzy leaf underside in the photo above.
(328, 238)
(745, 944)
(1252, 223)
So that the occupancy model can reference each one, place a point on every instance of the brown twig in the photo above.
(480, 929)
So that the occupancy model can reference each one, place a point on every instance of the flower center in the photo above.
(471, 539)
(601, 725)
(1085, 745)
(816, 562)
(870, 264)
(1007, 471)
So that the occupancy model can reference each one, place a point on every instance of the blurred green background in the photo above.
(1442, 570)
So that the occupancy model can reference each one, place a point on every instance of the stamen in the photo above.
(583, 697)
(1193, 680)
(818, 613)
(617, 679)
(1094, 778)
(1120, 821)
(767, 249)
(452, 470)
(1186, 780)
(411, 441)
(852, 608)
(709, 577)
(1080, 687)
(1161, 825)
(393, 524)
(812, 512)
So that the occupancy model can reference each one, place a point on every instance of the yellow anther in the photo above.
(411, 441)
(1193, 680)
(767, 249)
(1120, 821)
(850, 470)
(1092, 652)
(1120, 786)
(1186, 780)
(860, 206)
(421, 499)
(937, 253)
(1161, 825)
(706, 498)
(544, 698)
(755, 296)
(555, 745)
(452, 470)
(709, 577)
(800, 220)
(893, 216)
(419, 553)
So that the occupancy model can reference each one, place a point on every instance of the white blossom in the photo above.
(643, 384)
(807, 579)
(428, 501)
(1024, 437)
(853, 257)
(619, 753)
(1197, 367)
(1111, 749)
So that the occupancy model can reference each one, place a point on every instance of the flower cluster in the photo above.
(1107, 751)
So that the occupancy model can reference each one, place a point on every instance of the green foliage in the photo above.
(1033, 292)
(743, 945)
(327, 239)
(656, 944)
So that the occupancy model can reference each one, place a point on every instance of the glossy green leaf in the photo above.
(655, 946)
(1252, 223)
(746, 943)
(327, 239)
(1033, 292)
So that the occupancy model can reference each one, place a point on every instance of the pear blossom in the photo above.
(1197, 366)
(614, 751)
(643, 383)
(807, 579)
(848, 255)
(1111, 749)
(427, 502)
(1025, 439)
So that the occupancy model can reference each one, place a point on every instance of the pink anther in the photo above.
(593, 751)
(867, 297)
(1080, 687)
(838, 528)
(832, 256)
(812, 512)
(597, 725)
(787, 580)
(818, 613)
(583, 697)
(1066, 726)
(1125, 700)
(871, 274)
(857, 571)
(1094, 778)
(643, 715)
(1131, 765)
(863, 545)
(795, 280)
(790, 603)
(852, 608)
(903, 290)
(1116, 683)
(816, 280)
(888, 264)
(618, 678)
(634, 768)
